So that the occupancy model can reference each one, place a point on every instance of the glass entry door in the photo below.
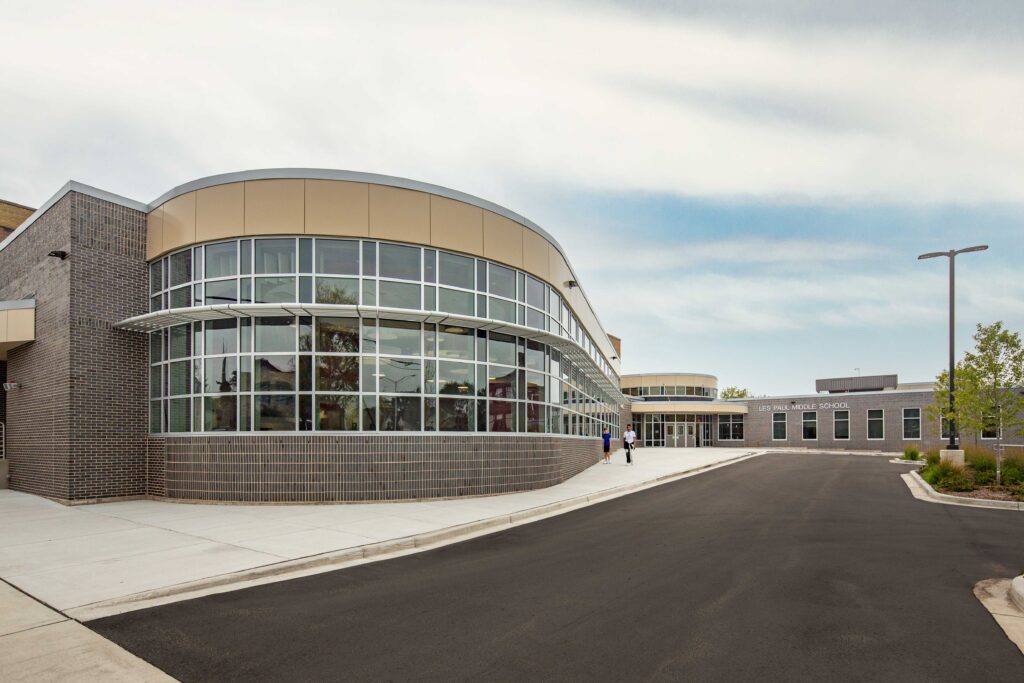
(671, 435)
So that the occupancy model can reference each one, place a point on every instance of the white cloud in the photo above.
(482, 96)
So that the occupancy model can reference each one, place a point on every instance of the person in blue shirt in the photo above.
(607, 436)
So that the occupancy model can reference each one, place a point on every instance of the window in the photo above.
(945, 428)
(337, 257)
(876, 424)
(399, 262)
(841, 425)
(911, 423)
(990, 430)
(810, 425)
(730, 428)
(778, 426)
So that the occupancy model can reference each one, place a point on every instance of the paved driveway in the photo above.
(784, 567)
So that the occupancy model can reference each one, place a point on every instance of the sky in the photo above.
(742, 186)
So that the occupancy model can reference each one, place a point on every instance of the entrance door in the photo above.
(671, 436)
(690, 437)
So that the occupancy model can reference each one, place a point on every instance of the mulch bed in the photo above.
(985, 493)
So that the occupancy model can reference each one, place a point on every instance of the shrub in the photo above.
(980, 462)
(932, 458)
(974, 451)
(911, 453)
(1013, 471)
(948, 476)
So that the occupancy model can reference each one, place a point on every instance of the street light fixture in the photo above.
(951, 255)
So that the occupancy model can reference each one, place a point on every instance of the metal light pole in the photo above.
(951, 255)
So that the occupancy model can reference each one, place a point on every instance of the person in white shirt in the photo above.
(629, 443)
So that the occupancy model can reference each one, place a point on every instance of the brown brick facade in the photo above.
(76, 427)
(292, 468)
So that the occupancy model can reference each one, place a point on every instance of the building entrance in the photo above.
(673, 431)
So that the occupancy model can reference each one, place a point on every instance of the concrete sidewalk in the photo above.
(72, 558)
(39, 644)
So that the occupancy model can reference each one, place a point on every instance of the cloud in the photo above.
(481, 96)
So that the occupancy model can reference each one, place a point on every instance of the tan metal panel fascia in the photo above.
(179, 222)
(503, 239)
(155, 233)
(21, 324)
(536, 257)
(275, 207)
(220, 212)
(337, 208)
(3, 326)
(399, 215)
(456, 225)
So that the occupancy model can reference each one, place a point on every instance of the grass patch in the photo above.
(911, 453)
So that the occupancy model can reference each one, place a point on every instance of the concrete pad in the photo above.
(384, 528)
(305, 543)
(18, 612)
(68, 651)
(994, 594)
(49, 529)
(82, 584)
(29, 558)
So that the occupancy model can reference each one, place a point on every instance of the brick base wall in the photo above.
(363, 467)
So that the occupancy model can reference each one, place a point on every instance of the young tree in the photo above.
(988, 387)
(734, 392)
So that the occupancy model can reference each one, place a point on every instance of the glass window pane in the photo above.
(337, 290)
(454, 301)
(535, 417)
(456, 378)
(221, 292)
(429, 265)
(535, 292)
(456, 270)
(156, 347)
(305, 255)
(305, 333)
(275, 256)
(399, 413)
(399, 261)
(455, 342)
(535, 319)
(501, 281)
(369, 292)
(179, 415)
(502, 349)
(400, 376)
(181, 297)
(399, 337)
(179, 377)
(429, 298)
(337, 257)
(399, 295)
(274, 413)
(337, 413)
(275, 290)
(155, 381)
(275, 373)
(181, 267)
(337, 373)
(181, 341)
(245, 257)
(221, 336)
(221, 259)
(156, 276)
(306, 289)
(502, 416)
(275, 333)
(501, 382)
(502, 310)
(220, 413)
(337, 335)
(221, 375)
(535, 382)
(535, 356)
(456, 415)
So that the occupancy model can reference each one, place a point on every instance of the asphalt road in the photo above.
(785, 567)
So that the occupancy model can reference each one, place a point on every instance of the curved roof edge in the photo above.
(374, 179)
(669, 374)
(356, 177)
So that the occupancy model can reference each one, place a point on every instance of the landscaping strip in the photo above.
(937, 497)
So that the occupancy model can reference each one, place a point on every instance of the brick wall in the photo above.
(364, 467)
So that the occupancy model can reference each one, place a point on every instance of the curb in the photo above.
(373, 551)
(1017, 592)
(957, 500)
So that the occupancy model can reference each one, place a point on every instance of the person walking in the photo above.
(629, 443)
(607, 436)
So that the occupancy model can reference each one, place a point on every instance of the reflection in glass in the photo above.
(220, 414)
(221, 336)
(221, 292)
(337, 412)
(179, 378)
(400, 376)
(399, 413)
(501, 281)
(399, 337)
(180, 268)
(337, 290)
(399, 295)
(274, 413)
(337, 373)
(502, 349)
(455, 342)
(456, 415)
(275, 333)
(275, 290)
(456, 270)
(502, 416)
(221, 375)
(337, 335)
(502, 310)
(179, 415)
(454, 301)
(501, 382)
(456, 378)
(275, 373)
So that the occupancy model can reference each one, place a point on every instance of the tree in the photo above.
(988, 387)
(734, 392)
